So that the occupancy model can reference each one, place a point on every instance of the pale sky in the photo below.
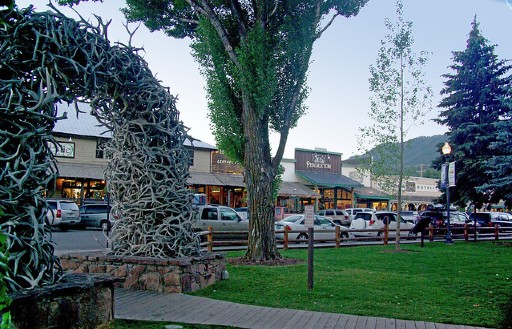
(338, 76)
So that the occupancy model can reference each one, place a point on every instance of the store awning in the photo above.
(231, 180)
(322, 179)
(90, 171)
(370, 193)
(200, 178)
(295, 189)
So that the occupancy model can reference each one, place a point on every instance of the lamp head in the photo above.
(446, 149)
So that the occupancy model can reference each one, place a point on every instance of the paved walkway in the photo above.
(146, 305)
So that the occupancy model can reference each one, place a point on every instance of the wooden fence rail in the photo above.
(212, 238)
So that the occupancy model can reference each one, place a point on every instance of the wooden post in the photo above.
(422, 237)
(311, 248)
(285, 237)
(431, 233)
(210, 239)
(337, 236)
(496, 232)
(466, 233)
(386, 234)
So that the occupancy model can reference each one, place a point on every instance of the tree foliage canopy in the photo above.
(252, 53)
(474, 107)
(399, 98)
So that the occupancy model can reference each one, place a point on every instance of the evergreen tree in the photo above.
(499, 166)
(473, 101)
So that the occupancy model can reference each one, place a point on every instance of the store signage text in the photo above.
(319, 161)
(62, 149)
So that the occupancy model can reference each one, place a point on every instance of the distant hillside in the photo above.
(419, 153)
(422, 150)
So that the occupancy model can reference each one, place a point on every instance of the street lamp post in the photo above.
(446, 149)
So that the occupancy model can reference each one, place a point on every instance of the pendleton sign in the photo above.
(222, 165)
(318, 160)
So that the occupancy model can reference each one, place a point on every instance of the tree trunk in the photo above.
(259, 178)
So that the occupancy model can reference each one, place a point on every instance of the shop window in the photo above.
(190, 157)
(100, 148)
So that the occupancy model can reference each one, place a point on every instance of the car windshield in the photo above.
(363, 215)
(228, 214)
(322, 221)
(292, 219)
(387, 217)
(68, 206)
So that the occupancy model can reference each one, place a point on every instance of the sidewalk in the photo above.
(146, 305)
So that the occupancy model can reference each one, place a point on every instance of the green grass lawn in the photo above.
(464, 283)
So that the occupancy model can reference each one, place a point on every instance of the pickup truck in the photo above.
(220, 218)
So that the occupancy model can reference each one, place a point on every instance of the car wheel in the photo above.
(303, 238)
(63, 228)
(105, 226)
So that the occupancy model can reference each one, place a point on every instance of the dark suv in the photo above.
(486, 218)
(434, 217)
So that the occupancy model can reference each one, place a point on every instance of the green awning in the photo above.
(323, 179)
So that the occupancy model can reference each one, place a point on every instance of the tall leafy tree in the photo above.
(473, 104)
(399, 99)
(255, 56)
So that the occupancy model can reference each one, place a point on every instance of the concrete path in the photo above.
(146, 305)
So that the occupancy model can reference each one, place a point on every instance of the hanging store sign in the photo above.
(318, 161)
(221, 164)
(62, 149)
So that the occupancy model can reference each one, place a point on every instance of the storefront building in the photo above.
(82, 161)
(321, 171)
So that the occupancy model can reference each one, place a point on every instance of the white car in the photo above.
(376, 221)
(323, 228)
(352, 212)
(338, 216)
(62, 214)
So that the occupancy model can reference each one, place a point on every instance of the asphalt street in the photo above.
(78, 240)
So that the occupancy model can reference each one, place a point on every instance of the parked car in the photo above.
(337, 216)
(96, 215)
(376, 221)
(485, 218)
(323, 228)
(409, 216)
(352, 212)
(503, 220)
(242, 211)
(62, 214)
(220, 218)
(434, 217)
(457, 218)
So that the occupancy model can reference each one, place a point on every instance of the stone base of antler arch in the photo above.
(175, 275)
(77, 301)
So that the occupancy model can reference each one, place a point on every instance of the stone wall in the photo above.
(146, 273)
(77, 301)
